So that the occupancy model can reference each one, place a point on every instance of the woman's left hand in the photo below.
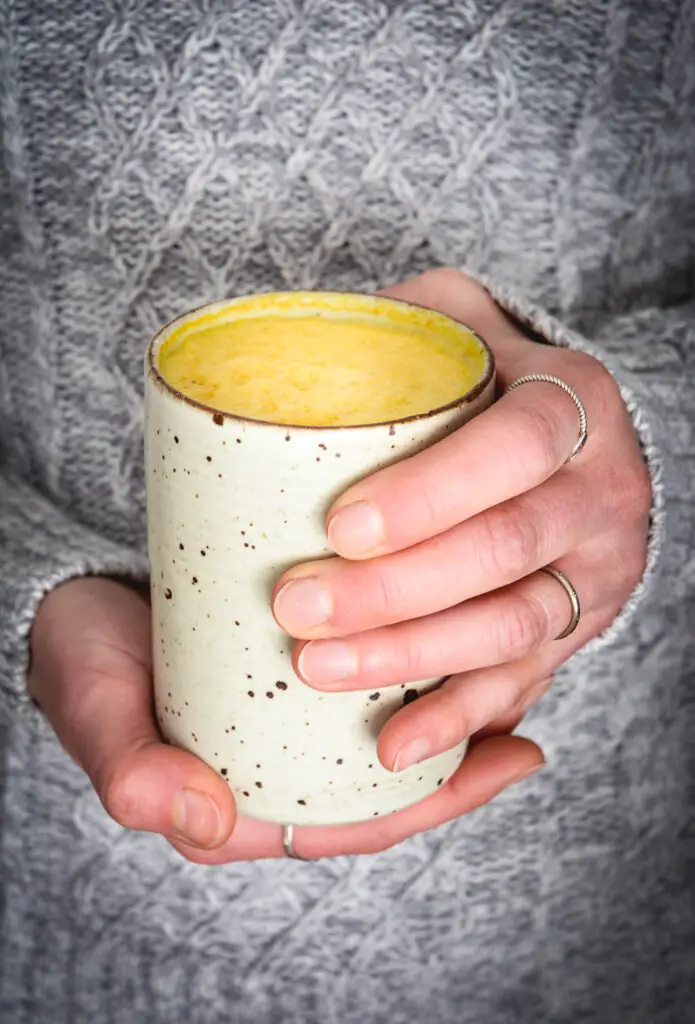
(438, 569)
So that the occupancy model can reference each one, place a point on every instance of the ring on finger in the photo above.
(573, 596)
(547, 378)
(288, 843)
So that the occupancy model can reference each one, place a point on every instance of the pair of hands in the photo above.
(436, 574)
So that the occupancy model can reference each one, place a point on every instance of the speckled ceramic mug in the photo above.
(232, 503)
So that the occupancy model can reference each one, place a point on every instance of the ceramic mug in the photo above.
(232, 503)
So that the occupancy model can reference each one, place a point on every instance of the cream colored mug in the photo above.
(232, 503)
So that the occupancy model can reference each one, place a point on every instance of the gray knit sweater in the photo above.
(157, 154)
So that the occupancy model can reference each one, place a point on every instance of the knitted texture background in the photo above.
(157, 154)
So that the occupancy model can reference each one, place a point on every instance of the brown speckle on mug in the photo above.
(374, 696)
(281, 685)
(218, 419)
(259, 785)
(167, 593)
(302, 803)
(251, 693)
(270, 694)
(409, 696)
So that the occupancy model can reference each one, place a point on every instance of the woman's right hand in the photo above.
(91, 674)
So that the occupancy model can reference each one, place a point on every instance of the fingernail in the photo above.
(327, 661)
(356, 529)
(526, 773)
(196, 818)
(301, 604)
(412, 753)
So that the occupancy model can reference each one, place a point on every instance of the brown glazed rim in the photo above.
(220, 415)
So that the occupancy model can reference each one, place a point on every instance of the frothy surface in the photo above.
(322, 359)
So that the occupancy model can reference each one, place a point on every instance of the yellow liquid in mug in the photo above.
(322, 359)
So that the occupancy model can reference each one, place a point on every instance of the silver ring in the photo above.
(547, 378)
(288, 843)
(573, 596)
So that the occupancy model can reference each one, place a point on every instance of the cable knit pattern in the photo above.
(157, 154)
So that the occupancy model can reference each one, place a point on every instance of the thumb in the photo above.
(91, 675)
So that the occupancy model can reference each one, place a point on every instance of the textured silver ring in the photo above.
(573, 596)
(288, 843)
(547, 378)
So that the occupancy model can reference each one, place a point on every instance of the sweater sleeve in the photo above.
(650, 353)
(40, 548)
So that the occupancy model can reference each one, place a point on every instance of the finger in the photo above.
(507, 450)
(510, 720)
(250, 840)
(470, 701)
(488, 769)
(491, 767)
(143, 783)
(333, 597)
(489, 630)
(98, 697)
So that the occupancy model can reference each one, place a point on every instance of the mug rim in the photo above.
(219, 416)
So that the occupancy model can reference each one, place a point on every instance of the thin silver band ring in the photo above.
(288, 843)
(572, 594)
(547, 378)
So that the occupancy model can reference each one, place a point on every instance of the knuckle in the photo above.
(521, 628)
(118, 797)
(637, 490)
(604, 393)
(540, 428)
(442, 277)
(412, 658)
(510, 547)
(388, 593)
(629, 493)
